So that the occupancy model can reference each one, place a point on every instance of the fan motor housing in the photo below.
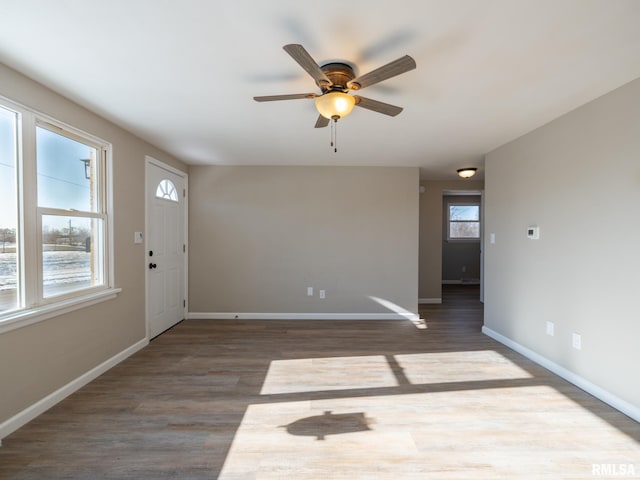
(340, 75)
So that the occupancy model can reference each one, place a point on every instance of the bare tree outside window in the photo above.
(464, 222)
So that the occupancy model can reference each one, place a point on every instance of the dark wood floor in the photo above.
(326, 400)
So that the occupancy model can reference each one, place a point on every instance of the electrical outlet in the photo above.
(550, 329)
(577, 341)
(309, 291)
(323, 294)
(492, 238)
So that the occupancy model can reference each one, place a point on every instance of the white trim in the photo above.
(165, 166)
(580, 382)
(14, 423)
(429, 300)
(22, 318)
(462, 193)
(299, 316)
(448, 222)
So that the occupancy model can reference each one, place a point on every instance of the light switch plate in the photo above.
(137, 237)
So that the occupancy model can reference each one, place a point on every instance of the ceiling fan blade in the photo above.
(306, 61)
(293, 96)
(397, 67)
(377, 106)
(322, 122)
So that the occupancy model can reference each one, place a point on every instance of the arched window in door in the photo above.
(167, 190)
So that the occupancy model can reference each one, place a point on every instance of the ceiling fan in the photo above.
(335, 80)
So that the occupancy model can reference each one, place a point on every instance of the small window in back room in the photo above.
(167, 190)
(464, 222)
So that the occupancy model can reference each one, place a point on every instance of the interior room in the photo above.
(269, 240)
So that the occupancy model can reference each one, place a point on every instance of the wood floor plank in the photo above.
(327, 400)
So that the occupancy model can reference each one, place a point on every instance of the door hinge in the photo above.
(184, 303)
(184, 192)
(184, 248)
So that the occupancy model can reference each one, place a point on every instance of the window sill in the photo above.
(463, 240)
(23, 318)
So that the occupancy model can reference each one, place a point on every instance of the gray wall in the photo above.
(578, 179)
(430, 277)
(260, 235)
(456, 255)
(38, 359)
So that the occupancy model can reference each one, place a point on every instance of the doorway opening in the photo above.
(462, 232)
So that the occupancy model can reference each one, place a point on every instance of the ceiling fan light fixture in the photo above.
(467, 172)
(335, 104)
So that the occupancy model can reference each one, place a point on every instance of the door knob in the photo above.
(152, 266)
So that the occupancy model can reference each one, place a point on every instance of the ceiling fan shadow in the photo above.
(386, 45)
(297, 31)
(264, 78)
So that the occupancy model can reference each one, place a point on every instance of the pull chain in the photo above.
(335, 137)
(334, 133)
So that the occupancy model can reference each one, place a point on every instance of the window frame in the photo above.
(168, 196)
(99, 213)
(449, 221)
(33, 305)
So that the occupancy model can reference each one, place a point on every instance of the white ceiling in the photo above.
(182, 73)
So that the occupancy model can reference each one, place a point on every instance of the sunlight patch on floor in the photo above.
(478, 365)
(322, 374)
(445, 434)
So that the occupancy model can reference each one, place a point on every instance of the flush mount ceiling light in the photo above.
(467, 172)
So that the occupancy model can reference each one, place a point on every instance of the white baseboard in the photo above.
(580, 382)
(429, 301)
(300, 316)
(12, 424)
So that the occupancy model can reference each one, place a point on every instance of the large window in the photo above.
(463, 221)
(53, 219)
(8, 210)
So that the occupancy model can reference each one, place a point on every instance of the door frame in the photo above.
(149, 162)
(480, 193)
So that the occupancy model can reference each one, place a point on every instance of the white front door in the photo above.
(165, 245)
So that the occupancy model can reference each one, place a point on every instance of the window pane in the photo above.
(8, 211)
(66, 172)
(167, 190)
(464, 230)
(464, 212)
(72, 255)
